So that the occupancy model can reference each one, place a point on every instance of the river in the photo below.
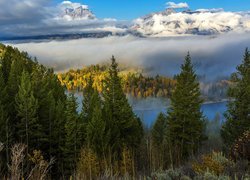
(149, 108)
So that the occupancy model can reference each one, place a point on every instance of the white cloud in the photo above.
(26, 11)
(215, 56)
(193, 22)
(38, 17)
(211, 10)
(69, 4)
(174, 5)
(33, 18)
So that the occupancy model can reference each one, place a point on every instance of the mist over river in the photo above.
(149, 108)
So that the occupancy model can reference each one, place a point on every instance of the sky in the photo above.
(168, 37)
(131, 9)
(43, 17)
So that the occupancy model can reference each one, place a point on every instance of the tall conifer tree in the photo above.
(26, 105)
(120, 119)
(185, 124)
(72, 140)
(96, 127)
(238, 113)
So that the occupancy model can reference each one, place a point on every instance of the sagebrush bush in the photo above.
(171, 174)
(214, 162)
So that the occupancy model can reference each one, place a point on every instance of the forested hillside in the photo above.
(138, 84)
(44, 136)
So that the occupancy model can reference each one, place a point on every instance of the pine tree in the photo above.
(3, 110)
(26, 106)
(58, 135)
(122, 124)
(158, 136)
(158, 130)
(185, 124)
(12, 89)
(6, 62)
(87, 108)
(72, 140)
(238, 113)
(96, 134)
(4, 125)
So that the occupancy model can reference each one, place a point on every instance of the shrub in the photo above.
(241, 147)
(171, 174)
(185, 178)
(87, 167)
(214, 163)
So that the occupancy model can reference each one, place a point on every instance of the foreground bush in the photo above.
(38, 168)
(214, 163)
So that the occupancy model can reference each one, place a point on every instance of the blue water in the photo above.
(148, 109)
(209, 110)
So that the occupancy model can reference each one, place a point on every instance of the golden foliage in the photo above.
(214, 162)
(127, 164)
(88, 165)
(133, 83)
(241, 147)
(41, 166)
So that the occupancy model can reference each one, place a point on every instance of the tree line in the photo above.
(106, 139)
(133, 82)
(138, 84)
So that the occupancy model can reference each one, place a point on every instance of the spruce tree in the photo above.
(72, 139)
(88, 106)
(158, 130)
(4, 124)
(6, 61)
(96, 134)
(58, 138)
(26, 105)
(185, 122)
(122, 124)
(3, 110)
(238, 113)
(12, 89)
(158, 138)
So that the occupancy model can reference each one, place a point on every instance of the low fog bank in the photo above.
(213, 56)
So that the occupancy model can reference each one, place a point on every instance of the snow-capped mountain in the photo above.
(75, 11)
(199, 22)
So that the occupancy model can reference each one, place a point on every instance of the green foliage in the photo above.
(158, 134)
(72, 140)
(158, 131)
(121, 121)
(106, 139)
(97, 138)
(29, 98)
(238, 111)
(87, 107)
(185, 124)
(27, 105)
(3, 112)
(140, 86)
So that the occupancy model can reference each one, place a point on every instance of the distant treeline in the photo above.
(133, 83)
(136, 84)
